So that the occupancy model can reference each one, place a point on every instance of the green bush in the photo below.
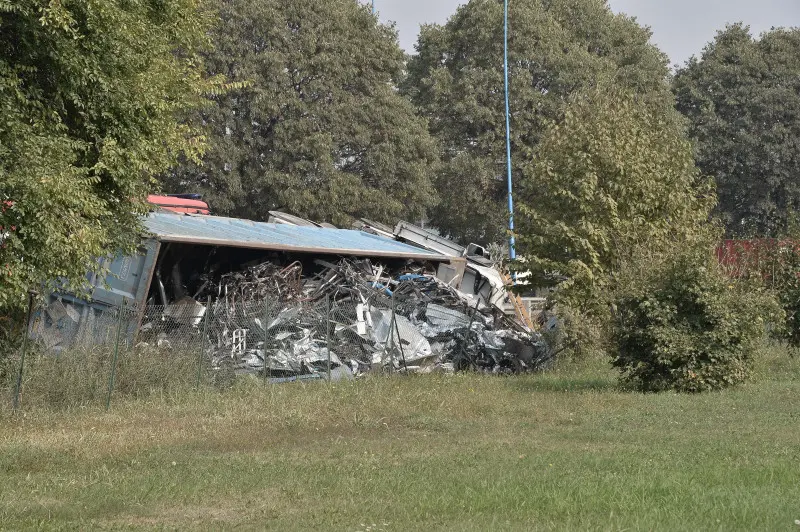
(680, 324)
(580, 334)
(12, 329)
(779, 269)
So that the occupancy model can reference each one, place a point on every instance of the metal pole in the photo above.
(267, 371)
(373, 7)
(203, 341)
(511, 241)
(18, 388)
(116, 356)
(400, 345)
(391, 338)
(328, 332)
(464, 351)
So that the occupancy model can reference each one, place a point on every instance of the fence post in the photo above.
(464, 352)
(267, 372)
(328, 332)
(203, 341)
(18, 388)
(400, 345)
(391, 338)
(116, 356)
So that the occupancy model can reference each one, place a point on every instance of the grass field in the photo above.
(562, 450)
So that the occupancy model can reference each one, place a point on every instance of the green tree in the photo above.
(90, 96)
(742, 98)
(555, 48)
(321, 131)
(614, 175)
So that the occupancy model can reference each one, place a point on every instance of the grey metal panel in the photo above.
(428, 239)
(289, 219)
(128, 277)
(233, 232)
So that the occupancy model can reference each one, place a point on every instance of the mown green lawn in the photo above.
(563, 450)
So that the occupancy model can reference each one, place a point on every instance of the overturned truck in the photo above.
(294, 302)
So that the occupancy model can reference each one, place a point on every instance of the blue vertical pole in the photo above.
(373, 7)
(511, 242)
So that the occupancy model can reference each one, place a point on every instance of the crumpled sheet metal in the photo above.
(398, 334)
(426, 325)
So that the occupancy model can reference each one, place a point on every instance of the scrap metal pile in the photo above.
(356, 317)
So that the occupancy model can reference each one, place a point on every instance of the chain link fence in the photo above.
(88, 354)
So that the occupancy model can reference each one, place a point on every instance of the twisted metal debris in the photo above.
(354, 317)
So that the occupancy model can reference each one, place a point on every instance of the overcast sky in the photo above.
(680, 27)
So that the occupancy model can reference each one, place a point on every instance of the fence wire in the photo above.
(87, 353)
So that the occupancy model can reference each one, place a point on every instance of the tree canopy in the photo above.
(321, 131)
(613, 176)
(742, 98)
(556, 47)
(90, 93)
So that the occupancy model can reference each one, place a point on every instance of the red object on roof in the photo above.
(179, 205)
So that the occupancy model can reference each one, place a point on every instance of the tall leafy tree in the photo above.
(321, 131)
(91, 93)
(613, 176)
(555, 48)
(742, 97)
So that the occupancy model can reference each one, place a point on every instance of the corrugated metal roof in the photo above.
(234, 232)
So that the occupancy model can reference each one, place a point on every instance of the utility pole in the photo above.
(511, 241)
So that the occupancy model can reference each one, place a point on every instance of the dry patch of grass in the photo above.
(565, 449)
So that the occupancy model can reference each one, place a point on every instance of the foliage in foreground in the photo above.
(681, 324)
(783, 280)
(773, 263)
(90, 97)
(321, 131)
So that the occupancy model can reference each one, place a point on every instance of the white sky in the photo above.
(680, 27)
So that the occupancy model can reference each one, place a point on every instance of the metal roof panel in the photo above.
(235, 232)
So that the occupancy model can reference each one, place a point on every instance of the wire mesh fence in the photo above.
(107, 351)
(84, 353)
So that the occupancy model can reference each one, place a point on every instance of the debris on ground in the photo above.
(353, 317)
